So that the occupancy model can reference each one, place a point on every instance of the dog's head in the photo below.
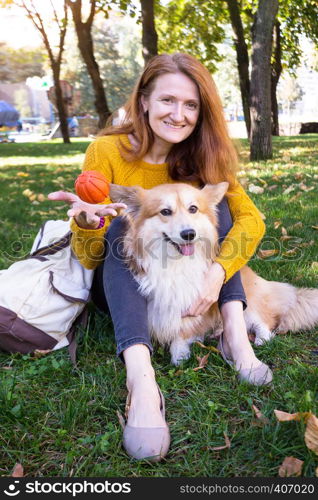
(178, 215)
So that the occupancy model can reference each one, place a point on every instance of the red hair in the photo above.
(208, 154)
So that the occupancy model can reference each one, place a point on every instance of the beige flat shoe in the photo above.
(261, 375)
(150, 443)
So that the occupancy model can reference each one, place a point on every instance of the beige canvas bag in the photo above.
(42, 296)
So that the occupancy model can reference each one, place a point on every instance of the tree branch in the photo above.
(39, 27)
(55, 15)
(90, 18)
(62, 34)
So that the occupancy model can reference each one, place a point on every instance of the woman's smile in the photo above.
(172, 125)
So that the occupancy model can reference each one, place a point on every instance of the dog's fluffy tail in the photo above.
(302, 313)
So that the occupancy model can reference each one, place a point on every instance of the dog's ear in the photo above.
(131, 196)
(215, 192)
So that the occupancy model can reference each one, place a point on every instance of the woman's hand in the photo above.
(86, 215)
(210, 292)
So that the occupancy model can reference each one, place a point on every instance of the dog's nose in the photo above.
(188, 234)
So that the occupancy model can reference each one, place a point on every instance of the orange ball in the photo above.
(92, 186)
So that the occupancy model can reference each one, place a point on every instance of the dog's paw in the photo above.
(179, 351)
(262, 339)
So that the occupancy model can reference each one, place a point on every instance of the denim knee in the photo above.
(233, 289)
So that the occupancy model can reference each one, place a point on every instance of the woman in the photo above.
(174, 130)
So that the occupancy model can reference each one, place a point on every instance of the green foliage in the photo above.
(17, 65)
(117, 51)
(296, 18)
(197, 27)
(192, 26)
(58, 421)
(124, 6)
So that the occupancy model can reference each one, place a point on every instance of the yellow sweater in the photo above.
(103, 155)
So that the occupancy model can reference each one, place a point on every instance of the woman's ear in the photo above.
(144, 103)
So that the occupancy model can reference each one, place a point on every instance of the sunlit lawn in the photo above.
(59, 421)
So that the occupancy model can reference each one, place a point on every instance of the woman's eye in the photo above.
(166, 211)
(193, 209)
(192, 105)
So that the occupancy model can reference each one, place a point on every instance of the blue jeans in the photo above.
(115, 290)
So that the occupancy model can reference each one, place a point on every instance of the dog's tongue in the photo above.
(187, 249)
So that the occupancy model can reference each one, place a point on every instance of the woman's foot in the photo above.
(146, 434)
(144, 404)
(255, 374)
(236, 347)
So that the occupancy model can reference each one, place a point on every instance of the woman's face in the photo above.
(173, 107)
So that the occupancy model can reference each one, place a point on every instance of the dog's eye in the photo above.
(166, 211)
(193, 209)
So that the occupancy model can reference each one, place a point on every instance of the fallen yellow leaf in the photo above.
(296, 225)
(277, 223)
(27, 192)
(263, 182)
(17, 471)
(291, 466)
(263, 216)
(283, 416)
(292, 251)
(202, 362)
(255, 189)
(284, 231)
(295, 197)
(263, 254)
(306, 244)
(286, 237)
(315, 227)
(41, 197)
(121, 419)
(209, 347)
(314, 265)
(299, 176)
(311, 434)
(227, 444)
(289, 189)
(260, 415)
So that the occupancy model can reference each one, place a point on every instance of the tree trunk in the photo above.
(242, 60)
(55, 60)
(60, 104)
(275, 75)
(149, 34)
(260, 94)
(86, 47)
(85, 44)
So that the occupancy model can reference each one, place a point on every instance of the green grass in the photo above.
(59, 421)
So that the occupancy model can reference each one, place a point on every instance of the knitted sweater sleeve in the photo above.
(243, 238)
(88, 244)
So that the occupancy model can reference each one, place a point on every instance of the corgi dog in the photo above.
(171, 241)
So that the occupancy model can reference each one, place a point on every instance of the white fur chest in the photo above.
(171, 286)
